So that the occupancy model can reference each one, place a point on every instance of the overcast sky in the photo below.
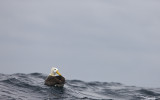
(90, 40)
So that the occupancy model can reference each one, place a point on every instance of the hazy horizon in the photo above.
(89, 40)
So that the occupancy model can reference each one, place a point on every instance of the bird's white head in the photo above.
(54, 71)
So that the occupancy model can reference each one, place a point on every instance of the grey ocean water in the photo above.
(31, 87)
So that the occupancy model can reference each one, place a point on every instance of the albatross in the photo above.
(55, 80)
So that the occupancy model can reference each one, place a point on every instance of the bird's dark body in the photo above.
(58, 81)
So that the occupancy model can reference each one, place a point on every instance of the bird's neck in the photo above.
(52, 74)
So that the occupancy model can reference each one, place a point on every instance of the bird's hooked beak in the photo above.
(58, 73)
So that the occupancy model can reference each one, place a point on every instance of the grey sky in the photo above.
(90, 40)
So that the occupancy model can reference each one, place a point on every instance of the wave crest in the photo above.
(31, 86)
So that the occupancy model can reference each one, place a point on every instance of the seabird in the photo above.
(54, 80)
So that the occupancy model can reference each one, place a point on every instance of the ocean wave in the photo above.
(21, 86)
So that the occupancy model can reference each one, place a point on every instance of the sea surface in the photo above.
(31, 87)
